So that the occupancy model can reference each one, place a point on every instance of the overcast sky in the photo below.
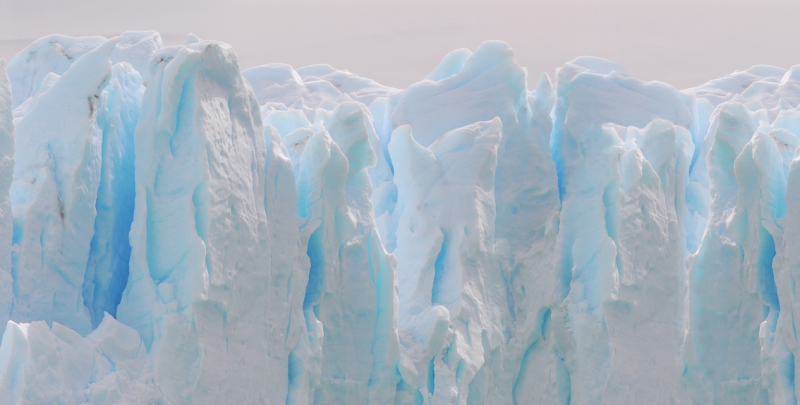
(684, 43)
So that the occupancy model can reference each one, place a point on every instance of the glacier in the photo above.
(176, 230)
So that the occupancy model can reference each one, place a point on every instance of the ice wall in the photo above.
(7, 157)
(174, 230)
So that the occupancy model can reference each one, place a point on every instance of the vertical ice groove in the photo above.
(107, 269)
(439, 284)
(313, 161)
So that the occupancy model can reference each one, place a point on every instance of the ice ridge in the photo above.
(174, 230)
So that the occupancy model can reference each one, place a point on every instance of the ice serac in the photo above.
(51, 54)
(44, 365)
(136, 48)
(7, 157)
(769, 89)
(451, 287)
(349, 301)
(54, 54)
(56, 176)
(739, 183)
(470, 87)
(533, 362)
(201, 280)
(355, 87)
(351, 281)
(279, 83)
(311, 86)
(320, 176)
(289, 264)
(488, 84)
(747, 183)
(291, 99)
(645, 209)
(527, 193)
(781, 350)
(615, 291)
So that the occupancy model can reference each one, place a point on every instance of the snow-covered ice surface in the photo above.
(176, 231)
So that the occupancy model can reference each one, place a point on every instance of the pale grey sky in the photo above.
(684, 43)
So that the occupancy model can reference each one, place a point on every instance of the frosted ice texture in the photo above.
(175, 231)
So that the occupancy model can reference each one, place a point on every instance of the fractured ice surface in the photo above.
(176, 231)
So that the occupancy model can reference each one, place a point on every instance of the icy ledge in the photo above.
(175, 231)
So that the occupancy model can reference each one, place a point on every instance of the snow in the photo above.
(175, 230)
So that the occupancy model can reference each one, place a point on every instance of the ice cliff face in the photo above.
(176, 231)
